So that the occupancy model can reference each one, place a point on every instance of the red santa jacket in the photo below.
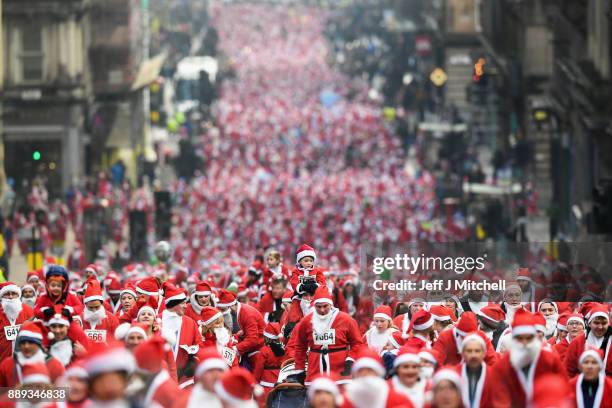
(210, 340)
(11, 328)
(189, 336)
(297, 277)
(343, 341)
(576, 348)
(250, 335)
(512, 387)
(561, 348)
(190, 312)
(267, 366)
(485, 394)
(8, 371)
(446, 345)
(103, 332)
(603, 396)
(280, 271)
(394, 400)
(44, 301)
(162, 391)
(268, 305)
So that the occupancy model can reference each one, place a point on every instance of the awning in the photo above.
(149, 71)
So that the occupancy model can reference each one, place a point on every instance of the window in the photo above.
(31, 54)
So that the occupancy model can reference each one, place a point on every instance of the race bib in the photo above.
(327, 338)
(97, 336)
(229, 355)
(10, 332)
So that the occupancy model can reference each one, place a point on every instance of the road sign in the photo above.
(438, 77)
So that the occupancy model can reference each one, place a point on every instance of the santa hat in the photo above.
(383, 312)
(421, 320)
(145, 308)
(58, 317)
(236, 387)
(242, 290)
(76, 370)
(272, 331)
(34, 275)
(35, 373)
(7, 287)
(209, 359)
(554, 304)
(173, 295)
(28, 286)
(130, 289)
(202, 289)
(492, 312)
(442, 313)
(407, 355)
(150, 354)
(31, 331)
(304, 251)
(467, 323)
(124, 330)
(418, 299)
(477, 337)
(562, 321)
(397, 339)
(597, 354)
(431, 355)
(524, 274)
(598, 311)
(105, 358)
(560, 395)
(323, 382)
(112, 284)
(322, 296)
(539, 321)
(523, 323)
(576, 317)
(447, 374)
(209, 314)
(90, 269)
(226, 298)
(148, 286)
(93, 291)
(369, 359)
(255, 268)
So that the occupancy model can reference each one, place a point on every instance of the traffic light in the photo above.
(36, 155)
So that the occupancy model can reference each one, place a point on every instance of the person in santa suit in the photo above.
(210, 368)
(474, 299)
(300, 306)
(75, 380)
(574, 327)
(560, 334)
(512, 301)
(248, 324)
(98, 324)
(407, 378)
(160, 388)
(35, 279)
(28, 350)
(29, 295)
(127, 299)
(268, 361)
(12, 315)
(402, 321)
(528, 288)
(253, 283)
(272, 305)
(550, 311)
(323, 392)
(430, 362)
(35, 377)
(201, 297)
(444, 318)
(475, 374)
(112, 287)
(181, 331)
(591, 388)
(148, 290)
(57, 292)
(236, 388)
(446, 389)
(109, 368)
(368, 388)
(67, 341)
(274, 268)
(305, 277)
(516, 371)
(420, 330)
(377, 337)
(327, 339)
(540, 325)
(596, 336)
(215, 334)
(492, 322)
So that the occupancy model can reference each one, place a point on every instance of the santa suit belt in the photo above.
(327, 351)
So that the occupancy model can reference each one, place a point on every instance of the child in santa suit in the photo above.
(305, 278)
(268, 361)
(274, 268)
(57, 293)
(67, 341)
(215, 334)
(99, 324)
(592, 388)
(377, 337)
(328, 338)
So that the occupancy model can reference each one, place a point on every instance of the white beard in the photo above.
(305, 306)
(38, 357)
(510, 311)
(171, 326)
(426, 372)
(12, 308)
(368, 392)
(228, 320)
(29, 301)
(376, 340)
(551, 324)
(222, 335)
(62, 350)
(94, 318)
(520, 355)
(321, 324)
